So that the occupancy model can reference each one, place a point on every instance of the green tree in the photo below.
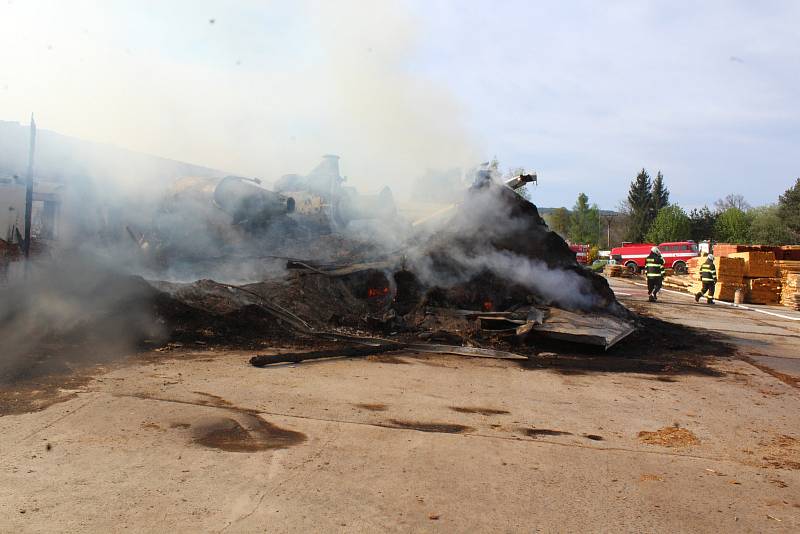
(560, 221)
(768, 227)
(703, 221)
(789, 208)
(639, 207)
(671, 224)
(732, 226)
(660, 194)
(585, 222)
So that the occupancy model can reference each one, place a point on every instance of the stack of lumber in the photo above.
(693, 267)
(757, 264)
(679, 282)
(790, 296)
(790, 281)
(726, 249)
(762, 284)
(730, 276)
(615, 271)
(788, 253)
(763, 290)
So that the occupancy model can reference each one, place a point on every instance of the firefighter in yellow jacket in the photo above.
(708, 276)
(654, 269)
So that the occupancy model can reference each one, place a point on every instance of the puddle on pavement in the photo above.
(230, 435)
(537, 432)
(372, 407)
(247, 432)
(386, 358)
(446, 428)
(482, 411)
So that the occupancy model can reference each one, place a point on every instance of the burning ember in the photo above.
(374, 292)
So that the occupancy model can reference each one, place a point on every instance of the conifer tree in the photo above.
(640, 205)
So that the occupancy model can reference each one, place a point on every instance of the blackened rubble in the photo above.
(495, 260)
(494, 264)
(498, 244)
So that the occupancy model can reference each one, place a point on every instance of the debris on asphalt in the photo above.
(669, 436)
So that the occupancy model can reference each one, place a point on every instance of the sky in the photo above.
(585, 93)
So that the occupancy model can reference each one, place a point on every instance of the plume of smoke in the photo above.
(329, 77)
(75, 309)
(551, 285)
(487, 232)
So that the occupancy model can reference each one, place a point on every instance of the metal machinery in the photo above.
(321, 198)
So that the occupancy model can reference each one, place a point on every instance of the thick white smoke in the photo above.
(468, 241)
(264, 90)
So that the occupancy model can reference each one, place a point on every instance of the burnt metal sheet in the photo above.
(585, 328)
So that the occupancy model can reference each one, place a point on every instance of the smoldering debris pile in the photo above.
(499, 236)
(495, 277)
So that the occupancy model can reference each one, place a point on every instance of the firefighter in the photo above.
(654, 268)
(708, 276)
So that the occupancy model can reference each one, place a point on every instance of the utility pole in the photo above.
(608, 232)
(26, 245)
(608, 218)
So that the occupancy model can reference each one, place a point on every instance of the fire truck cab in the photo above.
(676, 254)
(581, 253)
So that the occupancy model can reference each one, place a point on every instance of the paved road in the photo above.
(770, 335)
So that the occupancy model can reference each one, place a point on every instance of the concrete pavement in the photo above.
(199, 441)
(769, 335)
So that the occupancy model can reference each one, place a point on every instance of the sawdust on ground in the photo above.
(782, 452)
(669, 436)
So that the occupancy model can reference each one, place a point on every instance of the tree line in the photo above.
(648, 216)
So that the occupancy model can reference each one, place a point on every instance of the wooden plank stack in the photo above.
(757, 264)
(790, 296)
(730, 276)
(726, 249)
(679, 282)
(693, 267)
(790, 277)
(788, 253)
(762, 284)
(615, 271)
(766, 274)
(781, 286)
(789, 267)
(763, 290)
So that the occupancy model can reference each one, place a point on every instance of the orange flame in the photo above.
(373, 292)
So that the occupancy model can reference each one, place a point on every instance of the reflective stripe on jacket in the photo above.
(654, 266)
(708, 272)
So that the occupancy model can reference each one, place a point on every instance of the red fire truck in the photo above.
(676, 254)
(581, 253)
